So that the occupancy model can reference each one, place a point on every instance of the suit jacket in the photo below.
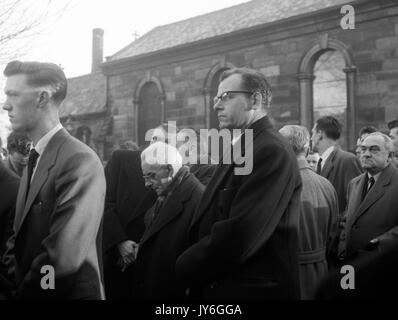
(245, 227)
(126, 202)
(9, 183)
(318, 228)
(8, 164)
(165, 239)
(59, 224)
(374, 217)
(340, 168)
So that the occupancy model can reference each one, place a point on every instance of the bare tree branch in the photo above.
(21, 20)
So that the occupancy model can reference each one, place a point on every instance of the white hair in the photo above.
(298, 137)
(160, 153)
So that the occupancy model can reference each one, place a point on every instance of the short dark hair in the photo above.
(18, 142)
(330, 126)
(253, 81)
(367, 130)
(128, 145)
(41, 74)
(392, 124)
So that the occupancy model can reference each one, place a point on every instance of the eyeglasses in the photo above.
(225, 96)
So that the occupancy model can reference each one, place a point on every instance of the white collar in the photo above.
(376, 176)
(44, 140)
(326, 154)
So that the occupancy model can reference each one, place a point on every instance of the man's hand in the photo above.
(128, 252)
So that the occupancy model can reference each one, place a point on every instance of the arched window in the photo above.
(330, 90)
(83, 133)
(327, 86)
(149, 104)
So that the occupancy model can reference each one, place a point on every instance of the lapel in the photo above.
(171, 209)
(329, 165)
(222, 170)
(376, 192)
(355, 197)
(46, 162)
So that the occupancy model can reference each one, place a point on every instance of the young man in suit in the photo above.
(371, 220)
(335, 164)
(244, 232)
(61, 195)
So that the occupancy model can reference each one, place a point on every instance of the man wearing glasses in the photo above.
(371, 221)
(244, 232)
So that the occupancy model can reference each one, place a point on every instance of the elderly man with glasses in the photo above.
(167, 222)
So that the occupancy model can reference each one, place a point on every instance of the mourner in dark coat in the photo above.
(371, 219)
(244, 233)
(318, 215)
(9, 183)
(167, 225)
(126, 202)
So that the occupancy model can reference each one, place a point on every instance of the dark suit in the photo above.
(374, 217)
(8, 189)
(246, 226)
(164, 241)
(340, 168)
(59, 225)
(126, 202)
(9, 182)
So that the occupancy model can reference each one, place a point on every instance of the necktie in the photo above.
(369, 183)
(33, 155)
(319, 166)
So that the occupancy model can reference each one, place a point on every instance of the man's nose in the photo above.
(6, 105)
(148, 184)
(217, 105)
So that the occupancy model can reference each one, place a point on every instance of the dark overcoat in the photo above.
(164, 241)
(244, 233)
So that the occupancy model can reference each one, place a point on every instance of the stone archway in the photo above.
(306, 78)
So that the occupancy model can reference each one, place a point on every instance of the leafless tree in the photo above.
(22, 20)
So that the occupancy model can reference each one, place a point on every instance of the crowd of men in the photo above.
(154, 225)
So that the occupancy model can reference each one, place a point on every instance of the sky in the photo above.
(65, 36)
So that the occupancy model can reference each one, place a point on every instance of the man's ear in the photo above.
(257, 100)
(170, 170)
(44, 98)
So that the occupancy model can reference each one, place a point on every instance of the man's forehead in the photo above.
(232, 83)
(373, 141)
(16, 82)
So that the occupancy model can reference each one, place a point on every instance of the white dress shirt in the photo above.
(325, 155)
(42, 144)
